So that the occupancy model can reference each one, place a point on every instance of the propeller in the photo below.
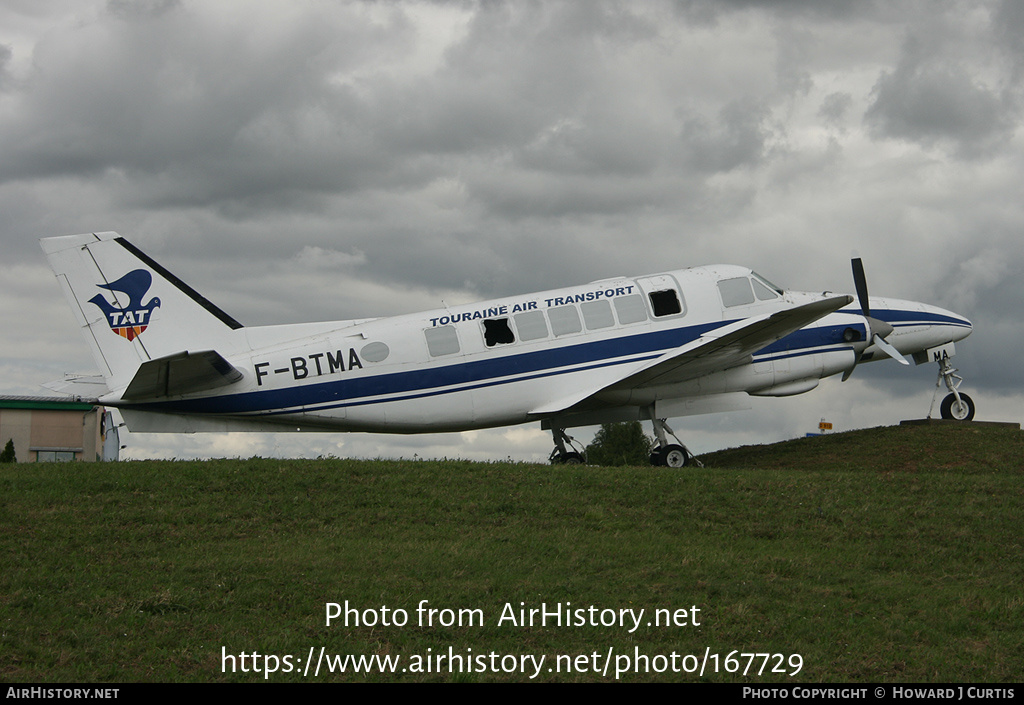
(877, 329)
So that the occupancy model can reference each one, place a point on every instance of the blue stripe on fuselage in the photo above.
(806, 339)
(439, 379)
(898, 318)
(476, 373)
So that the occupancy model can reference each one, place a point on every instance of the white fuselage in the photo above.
(509, 360)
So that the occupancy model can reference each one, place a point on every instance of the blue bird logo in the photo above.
(129, 321)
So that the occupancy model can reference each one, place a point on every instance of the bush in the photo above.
(8, 455)
(620, 444)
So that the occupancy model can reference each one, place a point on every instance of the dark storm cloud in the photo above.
(735, 138)
(5, 59)
(193, 112)
(197, 114)
(1008, 26)
(522, 90)
(135, 9)
(929, 99)
(711, 10)
(835, 107)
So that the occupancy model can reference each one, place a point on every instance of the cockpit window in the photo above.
(759, 279)
(736, 291)
(762, 292)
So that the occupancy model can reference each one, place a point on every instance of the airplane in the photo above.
(691, 341)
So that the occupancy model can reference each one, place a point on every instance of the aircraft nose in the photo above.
(958, 327)
(968, 327)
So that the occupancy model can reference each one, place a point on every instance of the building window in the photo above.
(54, 456)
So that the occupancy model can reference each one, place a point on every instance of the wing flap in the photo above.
(181, 373)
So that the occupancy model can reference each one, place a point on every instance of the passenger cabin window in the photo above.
(630, 309)
(531, 325)
(565, 320)
(497, 332)
(665, 303)
(597, 314)
(736, 292)
(442, 340)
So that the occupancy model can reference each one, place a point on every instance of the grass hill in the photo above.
(889, 554)
(936, 446)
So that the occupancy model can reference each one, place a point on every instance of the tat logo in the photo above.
(131, 320)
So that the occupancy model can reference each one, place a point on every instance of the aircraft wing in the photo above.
(180, 373)
(718, 349)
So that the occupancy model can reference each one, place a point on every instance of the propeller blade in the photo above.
(889, 350)
(861, 282)
(876, 329)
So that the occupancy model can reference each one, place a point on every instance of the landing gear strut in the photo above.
(673, 455)
(956, 405)
(561, 455)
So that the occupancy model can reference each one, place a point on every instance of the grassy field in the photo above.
(886, 555)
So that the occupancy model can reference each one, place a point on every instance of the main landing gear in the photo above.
(673, 455)
(956, 405)
(562, 455)
(568, 451)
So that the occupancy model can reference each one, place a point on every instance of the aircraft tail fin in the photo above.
(131, 309)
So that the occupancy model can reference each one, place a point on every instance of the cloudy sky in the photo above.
(317, 160)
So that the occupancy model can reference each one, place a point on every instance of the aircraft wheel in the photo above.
(675, 456)
(964, 411)
(571, 459)
(657, 457)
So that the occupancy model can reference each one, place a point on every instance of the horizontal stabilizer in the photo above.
(79, 386)
(181, 373)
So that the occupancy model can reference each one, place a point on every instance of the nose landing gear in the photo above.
(957, 405)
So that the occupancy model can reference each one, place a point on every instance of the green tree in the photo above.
(8, 455)
(620, 444)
